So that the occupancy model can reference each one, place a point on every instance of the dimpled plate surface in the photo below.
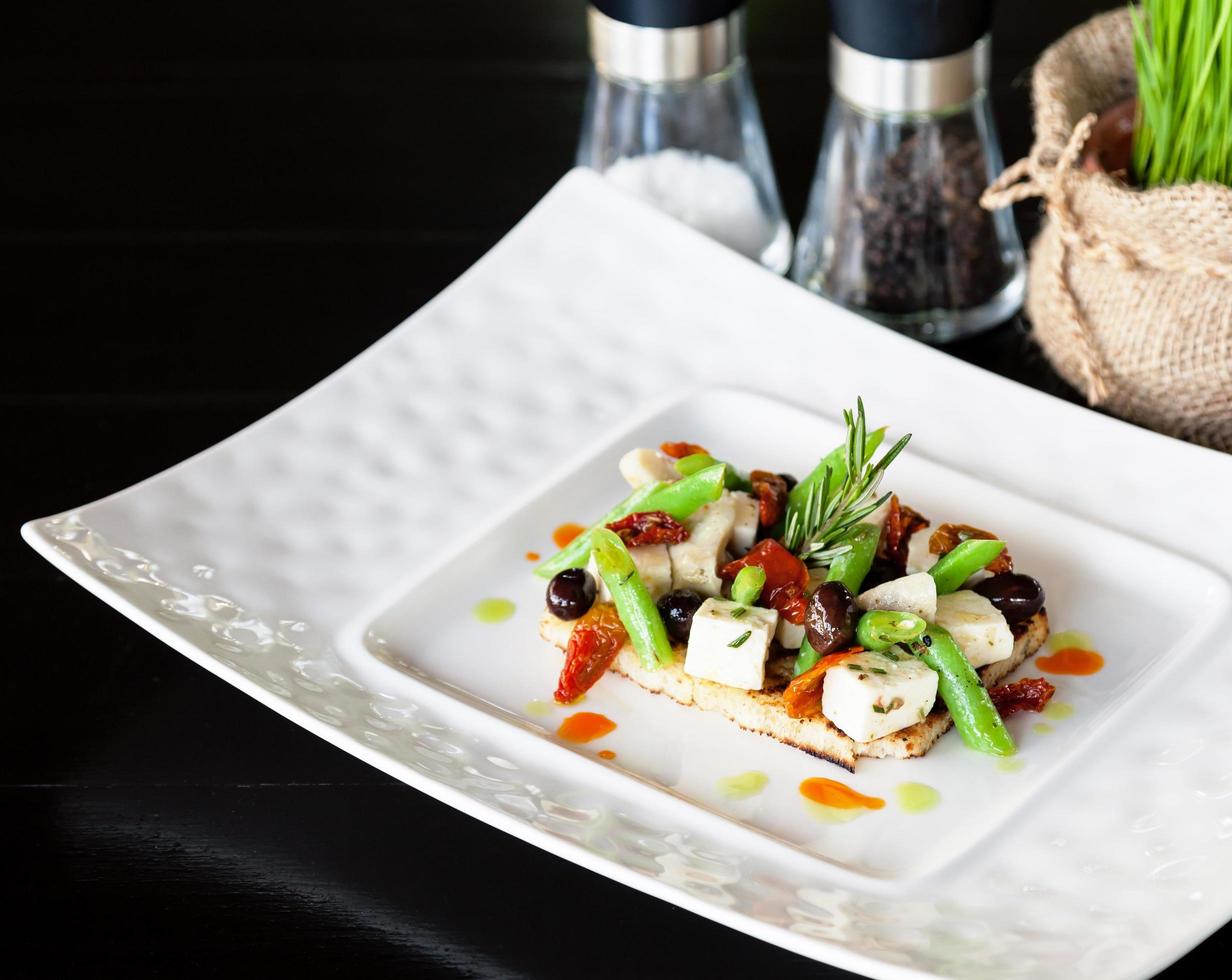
(253, 557)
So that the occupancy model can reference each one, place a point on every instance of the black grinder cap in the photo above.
(666, 13)
(910, 29)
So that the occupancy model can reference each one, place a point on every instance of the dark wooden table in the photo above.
(208, 207)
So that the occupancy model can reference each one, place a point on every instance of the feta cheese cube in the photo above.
(744, 532)
(873, 695)
(919, 558)
(695, 562)
(789, 635)
(639, 466)
(977, 627)
(730, 649)
(912, 593)
(654, 568)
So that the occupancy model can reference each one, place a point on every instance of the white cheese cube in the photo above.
(695, 562)
(639, 466)
(977, 627)
(789, 635)
(919, 558)
(744, 532)
(654, 568)
(873, 695)
(730, 649)
(911, 593)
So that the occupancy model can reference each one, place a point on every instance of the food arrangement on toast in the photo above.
(822, 612)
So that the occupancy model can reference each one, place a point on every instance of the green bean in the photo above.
(577, 552)
(852, 566)
(747, 585)
(806, 659)
(733, 479)
(974, 714)
(955, 567)
(636, 609)
(682, 498)
(880, 629)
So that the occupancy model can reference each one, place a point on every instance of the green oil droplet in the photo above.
(1058, 710)
(834, 814)
(1010, 765)
(1070, 638)
(493, 610)
(1041, 728)
(538, 709)
(917, 797)
(744, 785)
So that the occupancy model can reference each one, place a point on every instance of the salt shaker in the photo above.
(893, 227)
(672, 118)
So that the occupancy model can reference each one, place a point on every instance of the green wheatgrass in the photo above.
(1058, 710)
(917, 797)
(743, 785)
(493, 610)
(1068, 639)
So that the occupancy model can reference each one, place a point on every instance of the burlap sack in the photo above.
(1129, 291)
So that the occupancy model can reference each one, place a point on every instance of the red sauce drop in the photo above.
(566, 533)
(585, 726)
(607, 754)
(532, 556)
(1071, 660)
(830, 792)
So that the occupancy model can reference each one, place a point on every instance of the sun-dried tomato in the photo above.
(947, 537)
(593, 644)
(649, 527)
(803, 695)
(786, 578)
(679, 450)
(1028, 694)
(771, 490)
(901, 523)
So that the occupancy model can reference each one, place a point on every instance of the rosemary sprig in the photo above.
(842, 498)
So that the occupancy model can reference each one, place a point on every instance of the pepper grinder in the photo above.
(893, 228)
(671, 117)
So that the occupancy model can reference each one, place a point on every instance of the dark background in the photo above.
(208, 207)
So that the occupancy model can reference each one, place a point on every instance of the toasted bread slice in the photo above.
(763, 711)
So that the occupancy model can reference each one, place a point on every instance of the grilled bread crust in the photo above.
(764, 712)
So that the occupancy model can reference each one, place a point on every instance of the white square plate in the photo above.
(426, 631)
(266, 558)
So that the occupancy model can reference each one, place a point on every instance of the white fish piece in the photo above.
(912, 593)
(874, 694)
(654, 568)
(729, 647)
(744, 532)
(919, 558)
(695, 562)
(640, 466)
(977, 626)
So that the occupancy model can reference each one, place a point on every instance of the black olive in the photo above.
(677, 609)
(830, 620)
(1016, 597)
(571, 593)
(790, 480)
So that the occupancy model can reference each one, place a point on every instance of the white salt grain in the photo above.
(714, 196)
